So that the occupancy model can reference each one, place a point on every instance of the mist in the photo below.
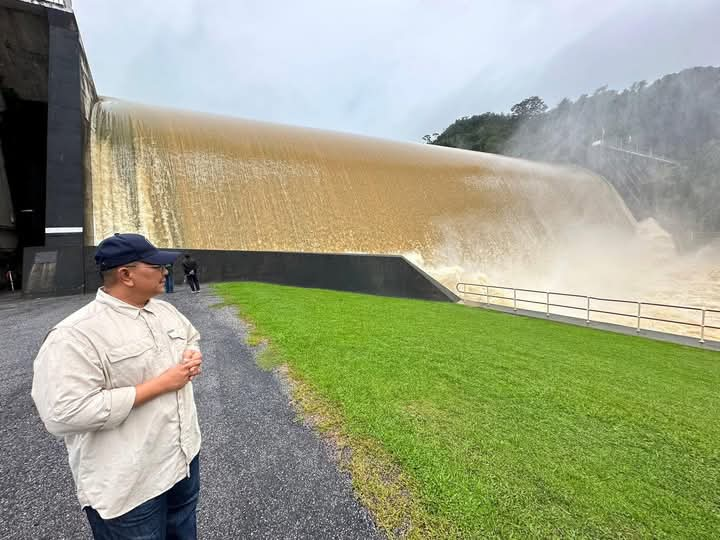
(657, 144)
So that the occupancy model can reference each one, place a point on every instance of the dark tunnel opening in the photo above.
(23, 142)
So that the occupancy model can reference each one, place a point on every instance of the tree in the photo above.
(638, 86)
(529, 107)
(429, 139)
(564, 106)
(600, 90)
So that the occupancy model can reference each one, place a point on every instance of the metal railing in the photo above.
(588, 308)
(631, 149)
(704, 236)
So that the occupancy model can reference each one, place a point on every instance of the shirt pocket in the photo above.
(130, 363)
(178, 344)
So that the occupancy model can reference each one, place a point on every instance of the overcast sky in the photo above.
(389, 68)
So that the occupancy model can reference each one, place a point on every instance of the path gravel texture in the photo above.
(263, 473)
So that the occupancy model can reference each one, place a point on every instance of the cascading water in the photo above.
(189, 180)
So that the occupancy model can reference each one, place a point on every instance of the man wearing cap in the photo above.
(113, 379)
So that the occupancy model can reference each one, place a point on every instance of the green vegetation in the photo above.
(471, 423)
(487, 132)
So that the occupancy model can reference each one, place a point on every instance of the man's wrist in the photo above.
(151, 389)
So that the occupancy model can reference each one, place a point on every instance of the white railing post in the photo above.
(638, 318)
(702, 328)
(487, 295)
(587, 311)
(547, 303)
(514, 299)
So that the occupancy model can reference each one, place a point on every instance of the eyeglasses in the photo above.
(153, 266)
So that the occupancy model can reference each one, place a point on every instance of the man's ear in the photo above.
(124, 275)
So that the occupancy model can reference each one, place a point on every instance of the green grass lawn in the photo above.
(500, 425)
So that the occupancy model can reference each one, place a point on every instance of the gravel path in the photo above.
(264, 475)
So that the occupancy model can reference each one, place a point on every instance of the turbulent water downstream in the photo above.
(197, 181)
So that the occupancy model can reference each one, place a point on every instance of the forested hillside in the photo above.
(658, 143)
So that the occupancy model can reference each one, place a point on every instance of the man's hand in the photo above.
(171, 379)
(180, 374)
(190, 355)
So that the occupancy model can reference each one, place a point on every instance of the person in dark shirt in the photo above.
(190, 268)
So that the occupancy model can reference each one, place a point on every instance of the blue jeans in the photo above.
(169, 516)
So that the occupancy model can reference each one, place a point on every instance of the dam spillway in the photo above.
(188, 180)
(195, 181)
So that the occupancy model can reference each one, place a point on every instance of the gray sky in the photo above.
(388, 68)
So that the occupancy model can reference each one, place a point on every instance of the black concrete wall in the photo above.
(56, 264)
(372, 274)
(65, 168)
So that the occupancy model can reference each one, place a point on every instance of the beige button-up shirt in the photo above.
(84, 389)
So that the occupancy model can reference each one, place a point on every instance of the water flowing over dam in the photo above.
(189, 180)
(196, 181)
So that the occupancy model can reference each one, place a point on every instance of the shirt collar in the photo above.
(123, 307)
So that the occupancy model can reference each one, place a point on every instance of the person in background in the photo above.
(190, 268)
(169, 279)
(113, 380)
(9, 278)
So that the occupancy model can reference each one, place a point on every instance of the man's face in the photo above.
(148, 278)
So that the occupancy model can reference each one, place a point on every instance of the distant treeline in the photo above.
(620, 135)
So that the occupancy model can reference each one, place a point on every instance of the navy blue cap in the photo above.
(122, 249)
